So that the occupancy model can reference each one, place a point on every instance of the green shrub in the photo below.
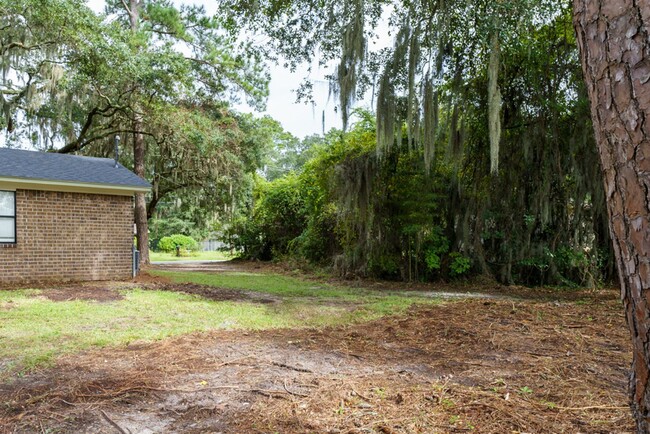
(460, 264)
(318, 241)
(182, 242)
(436, 246)
(385, 265)
(278, 216)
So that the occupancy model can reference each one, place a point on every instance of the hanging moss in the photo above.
(353, 50)
(413, 107)
(389, 121)
(494, 103)
(386, 113)
(430, 114)
(482, 133)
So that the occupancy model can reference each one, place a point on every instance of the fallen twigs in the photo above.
(113, 423)
(294, 368)
(293, 393)
(591, 407)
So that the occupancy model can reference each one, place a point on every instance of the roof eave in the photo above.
(70, 186)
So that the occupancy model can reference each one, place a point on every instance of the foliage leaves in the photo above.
(541, 220)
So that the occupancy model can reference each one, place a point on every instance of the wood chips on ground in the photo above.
(485, 366)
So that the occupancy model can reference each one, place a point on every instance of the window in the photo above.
(7, 217)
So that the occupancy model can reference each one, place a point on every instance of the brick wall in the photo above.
(69, 236)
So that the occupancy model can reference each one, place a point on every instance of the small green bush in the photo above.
(460, 264)
(437, 245)
(183, 242)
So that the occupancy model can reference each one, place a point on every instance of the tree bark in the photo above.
(141, 223)
(615, 52)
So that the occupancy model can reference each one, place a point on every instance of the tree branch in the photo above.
(128, 10)
(79, 145)
(22, 46)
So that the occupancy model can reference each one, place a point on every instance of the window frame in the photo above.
(15, 241)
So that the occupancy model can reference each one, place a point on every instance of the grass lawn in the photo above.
(194, 256)
(365, 304)
(36, 330)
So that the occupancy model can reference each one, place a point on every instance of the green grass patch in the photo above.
(193, 256)
(362, 304)
(36, 330)
(280, 285)
(285, 286)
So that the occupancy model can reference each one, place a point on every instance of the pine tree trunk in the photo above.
(613, 40)
(141, 224)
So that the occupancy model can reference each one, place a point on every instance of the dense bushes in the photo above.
(277, 218)
(349, 209)
(393, 213)
(385, 216)
(178, 244)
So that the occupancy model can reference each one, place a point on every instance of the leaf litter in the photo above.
(474, 365)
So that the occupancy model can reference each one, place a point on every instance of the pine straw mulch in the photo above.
(488, 366)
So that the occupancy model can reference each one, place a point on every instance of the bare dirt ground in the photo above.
(475, 365)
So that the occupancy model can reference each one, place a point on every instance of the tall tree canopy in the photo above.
(435, 91)
(74, 79)
(438, 44)
(39, 41)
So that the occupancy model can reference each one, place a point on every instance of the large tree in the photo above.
(209, 66)
(614, 41)
(81, 79)
(142, 228)
(525, 184)
(454, 36)
(38, 41)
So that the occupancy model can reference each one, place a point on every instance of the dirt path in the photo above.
(466, 366)
(212, 266)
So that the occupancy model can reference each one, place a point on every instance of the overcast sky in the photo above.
(299, 119)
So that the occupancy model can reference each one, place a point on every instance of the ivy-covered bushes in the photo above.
(385, 216)
(351, 210)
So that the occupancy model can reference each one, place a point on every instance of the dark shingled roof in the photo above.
(47, 166)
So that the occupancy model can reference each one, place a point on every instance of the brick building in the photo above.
(65, 217)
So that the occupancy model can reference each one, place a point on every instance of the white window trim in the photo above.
(13, 217)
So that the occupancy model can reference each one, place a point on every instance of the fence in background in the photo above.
(211, 245)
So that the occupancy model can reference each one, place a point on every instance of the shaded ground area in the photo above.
(465, 366)
(209, 292)
(218, 266)
(481, 288)
(93, 292)
(110, 291)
